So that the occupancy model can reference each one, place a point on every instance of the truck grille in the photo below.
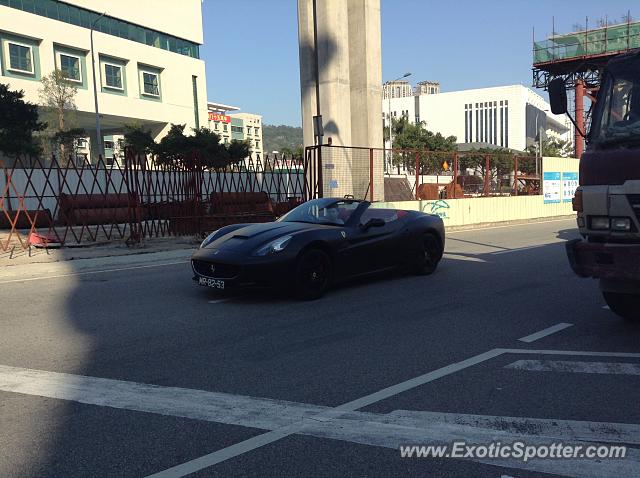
(634, 201)
(215, 269)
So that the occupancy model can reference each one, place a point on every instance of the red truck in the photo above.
(607, 200)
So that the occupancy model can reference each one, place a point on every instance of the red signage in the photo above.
(219, 117)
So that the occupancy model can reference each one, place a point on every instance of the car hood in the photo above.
(250, 237)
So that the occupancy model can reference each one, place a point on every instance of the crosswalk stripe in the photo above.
(608, 368)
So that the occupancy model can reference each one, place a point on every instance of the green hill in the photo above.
(281, 138)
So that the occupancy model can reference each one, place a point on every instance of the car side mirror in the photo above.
(558, 96)
(373, 222)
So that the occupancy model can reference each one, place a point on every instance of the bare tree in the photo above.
(58, 94)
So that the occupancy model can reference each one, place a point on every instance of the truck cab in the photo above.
(607, 200)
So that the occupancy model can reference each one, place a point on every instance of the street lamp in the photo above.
(95, 88)
(388, 84)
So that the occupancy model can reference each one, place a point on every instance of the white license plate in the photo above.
(215, 283)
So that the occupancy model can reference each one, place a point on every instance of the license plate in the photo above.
(215, 283)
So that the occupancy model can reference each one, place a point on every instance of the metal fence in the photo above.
(431, 175)
(51, 202)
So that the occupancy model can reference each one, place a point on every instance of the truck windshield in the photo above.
(617, 115)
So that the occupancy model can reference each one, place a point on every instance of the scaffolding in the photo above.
(578, 58)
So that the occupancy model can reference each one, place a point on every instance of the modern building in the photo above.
(504, 116)
(238, 126)
(396, 89)
(147, 66)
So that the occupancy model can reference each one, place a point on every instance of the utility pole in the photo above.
(95, 89)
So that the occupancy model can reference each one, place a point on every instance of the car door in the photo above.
(373, 248)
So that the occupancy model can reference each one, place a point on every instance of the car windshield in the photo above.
(322, 211)
(617, 119)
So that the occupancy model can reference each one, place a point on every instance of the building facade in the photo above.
(147, 66)
(237, 126)
(505, 116)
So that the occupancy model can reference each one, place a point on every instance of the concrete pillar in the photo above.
(350, 89)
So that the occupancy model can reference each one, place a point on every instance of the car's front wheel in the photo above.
(429, 255)
(626, 306)
(313, 274)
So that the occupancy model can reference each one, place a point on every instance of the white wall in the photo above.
(180, 18)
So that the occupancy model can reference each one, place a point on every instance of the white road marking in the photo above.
(576, 353)
(101, 271)
(283, 418)
(613, 368)
(462, 257)
(545, 332)
(606, 307)
(479, 229)
(226, 299)
(518, 249)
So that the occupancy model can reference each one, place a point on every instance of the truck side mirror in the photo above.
(558, 96)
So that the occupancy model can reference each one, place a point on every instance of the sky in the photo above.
(251, 46)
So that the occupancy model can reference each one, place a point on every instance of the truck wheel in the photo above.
(626, 306)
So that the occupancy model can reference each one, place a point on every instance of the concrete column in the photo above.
(365, 72)
(350, 88)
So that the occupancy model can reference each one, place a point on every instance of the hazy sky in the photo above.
(251, 46)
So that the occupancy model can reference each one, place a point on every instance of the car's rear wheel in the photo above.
(626, 306)
(313, 274)
(429, 254)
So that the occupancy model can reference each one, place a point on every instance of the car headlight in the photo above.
(273, 247)
(209, 239)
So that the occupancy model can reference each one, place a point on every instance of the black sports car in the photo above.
(318, 243)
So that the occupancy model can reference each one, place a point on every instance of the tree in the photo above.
(412, 136)
(57, 94)
(18, 122)
(175, 148)
(139, 139)
(553, 147)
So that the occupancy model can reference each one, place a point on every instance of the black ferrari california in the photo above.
(319, 243)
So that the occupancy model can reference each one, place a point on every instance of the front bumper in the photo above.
(240, 271)
(618, 262)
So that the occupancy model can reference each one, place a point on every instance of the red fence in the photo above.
(48, 202)
(431, 175)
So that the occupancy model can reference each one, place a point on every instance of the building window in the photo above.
(216, 125)
(69, 65)
(81, 143)
(112, 76)
(257, 144)
(255, 131)
(225, 127)
(20, 58)
(108, 145)
(226, 140)
(150, 83)
(236, 129)
(248, 129)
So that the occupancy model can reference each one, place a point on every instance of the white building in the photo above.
(238, 126)
(147, 62)
(503, 116)
(396, 89)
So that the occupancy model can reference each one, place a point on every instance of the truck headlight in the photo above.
(620, 224)
(599, 222)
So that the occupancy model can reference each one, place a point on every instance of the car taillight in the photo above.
(576, 202)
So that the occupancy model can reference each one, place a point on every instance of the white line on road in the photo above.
(275, 435)
(606, 307)
(577, 353)
(285, 418)
(612, 368)
(101, 271)
(545, 332)
(226, 299)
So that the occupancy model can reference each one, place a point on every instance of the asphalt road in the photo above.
(127, 368)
